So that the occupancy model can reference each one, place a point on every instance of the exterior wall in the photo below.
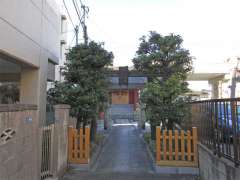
(222, 89)
(19, 155)
(30, 37)
(120, 97)
(61, 140)
(215, 168)
(29, 28)
(215, 90)
(125, 97)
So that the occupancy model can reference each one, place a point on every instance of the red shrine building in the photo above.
(125, 86)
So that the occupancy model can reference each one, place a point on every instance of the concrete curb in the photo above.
(177, 170)
(93, 163)
(150, 154)
(78, 167)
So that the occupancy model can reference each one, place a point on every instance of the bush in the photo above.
(147, 137)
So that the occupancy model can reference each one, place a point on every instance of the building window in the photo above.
(63, 19)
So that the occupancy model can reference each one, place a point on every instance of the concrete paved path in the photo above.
(124, 157)
(124, 152)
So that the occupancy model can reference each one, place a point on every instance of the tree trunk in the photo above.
(93, 129)
(170, 124)
(153, 132)
(78, 124)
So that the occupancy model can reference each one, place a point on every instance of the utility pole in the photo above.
(85, 35)
(82, 21)
(76, 28)
(76, 32)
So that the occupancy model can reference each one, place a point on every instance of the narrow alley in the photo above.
(124, 157)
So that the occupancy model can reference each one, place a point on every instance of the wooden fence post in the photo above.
(182, 146)
(170, 144)
(188, 146)
(164, 145)
(87, 142)
(158, 143)
(176, 144)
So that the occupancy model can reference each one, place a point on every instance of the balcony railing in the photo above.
(218, 122)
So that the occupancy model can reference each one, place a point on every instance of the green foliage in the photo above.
(147, 137)
(163, 102)
(85, 82)
(162, 56)
(166, 63)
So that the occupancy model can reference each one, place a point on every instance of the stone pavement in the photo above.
(124, 157)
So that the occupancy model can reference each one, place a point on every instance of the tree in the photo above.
(166, 63)
(163, 102)
(85, 85)
(162, 56)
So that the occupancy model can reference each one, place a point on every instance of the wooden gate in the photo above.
(78, 145)
(176, 148)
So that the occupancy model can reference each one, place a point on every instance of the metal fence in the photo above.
(47, 151)
(218, 122)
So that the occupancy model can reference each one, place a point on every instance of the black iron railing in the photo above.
(218, 121)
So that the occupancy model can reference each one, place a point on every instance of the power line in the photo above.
(68, 13)
(76, 28)
(75, 34)
(76, 9)
(72, 39)
(81, 17)
(78, 14)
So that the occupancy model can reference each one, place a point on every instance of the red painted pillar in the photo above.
(131, 96)
(136, 98)
(101, 115)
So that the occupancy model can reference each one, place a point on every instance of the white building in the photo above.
(216, 79)
(30, 47)
(63, 45)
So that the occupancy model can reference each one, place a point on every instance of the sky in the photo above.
(210, 28)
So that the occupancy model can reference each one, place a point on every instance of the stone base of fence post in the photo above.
(60, 144)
